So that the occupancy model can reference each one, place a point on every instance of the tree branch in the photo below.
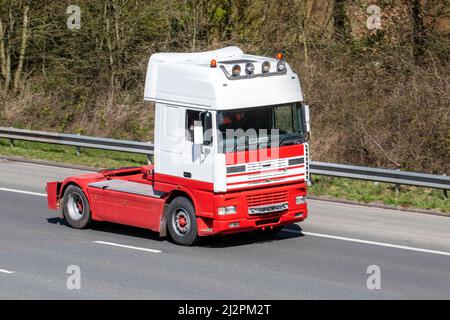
(23, 48)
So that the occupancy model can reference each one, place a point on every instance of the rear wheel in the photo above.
(182, 222)
(76, 209)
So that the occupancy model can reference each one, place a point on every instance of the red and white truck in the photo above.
(230, 152)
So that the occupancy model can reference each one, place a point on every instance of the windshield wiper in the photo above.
(248, 145)
(288, 141)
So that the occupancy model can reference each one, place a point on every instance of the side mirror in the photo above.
(306, 118)
(206, 118)
(198, 133)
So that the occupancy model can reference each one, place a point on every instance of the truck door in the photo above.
(176, 153)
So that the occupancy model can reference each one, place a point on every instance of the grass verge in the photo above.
(64, 154)
(377, 192)
(326, 187)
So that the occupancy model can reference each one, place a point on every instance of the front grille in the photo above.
(265, 165)
(235, 169)
(267, 198)
(269, 209)
(296, 161)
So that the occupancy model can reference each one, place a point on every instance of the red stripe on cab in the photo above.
(269, 180)
(241, 157)
(264, 171)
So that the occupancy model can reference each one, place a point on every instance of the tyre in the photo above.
(182, 222)
(76, 209)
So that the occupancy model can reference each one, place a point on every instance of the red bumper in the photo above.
(241, 225)
(243, 220)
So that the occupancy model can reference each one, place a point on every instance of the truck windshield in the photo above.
(260, 127)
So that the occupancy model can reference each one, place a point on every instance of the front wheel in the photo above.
(182, 222)
(76, 209)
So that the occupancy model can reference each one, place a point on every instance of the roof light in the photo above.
(266, 66)
(281, 66)
(213, 63)
(280, 56)
(236, 70)
(249, 68)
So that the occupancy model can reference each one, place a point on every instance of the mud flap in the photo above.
(52, 195)
(163, 225)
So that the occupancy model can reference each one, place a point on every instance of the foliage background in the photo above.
(378, 97)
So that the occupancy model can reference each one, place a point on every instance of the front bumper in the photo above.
(242, 225)
(245, 218)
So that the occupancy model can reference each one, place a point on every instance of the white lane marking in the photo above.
(127, 247)
(23, 192)
(7, 271)
(380, 244)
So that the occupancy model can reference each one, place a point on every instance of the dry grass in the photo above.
(375, 100)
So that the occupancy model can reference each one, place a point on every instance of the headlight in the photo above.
(281, 65)
(266, 66)
(300, 200)
(222, 211)
(236, 70)
(249, 68)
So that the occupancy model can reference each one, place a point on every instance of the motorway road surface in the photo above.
(324, 257)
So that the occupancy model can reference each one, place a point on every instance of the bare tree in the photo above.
(418, 34)
(340, 21)
(23, 47)
(2, 50)
(6, 48)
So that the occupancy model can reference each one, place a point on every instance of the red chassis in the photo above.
(149, 212)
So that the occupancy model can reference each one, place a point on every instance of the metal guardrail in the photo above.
(77, 141)
(318, 168)
(381, 175)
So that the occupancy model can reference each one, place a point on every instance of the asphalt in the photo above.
(325, 257)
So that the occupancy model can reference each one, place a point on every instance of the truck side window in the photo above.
(191, 116)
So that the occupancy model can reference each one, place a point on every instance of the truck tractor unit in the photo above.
(230, 152)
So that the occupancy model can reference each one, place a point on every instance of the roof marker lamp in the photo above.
(281, 66)
(213, 63)
(249, 68)
(266, 66)
(236, 71)
(280, 56)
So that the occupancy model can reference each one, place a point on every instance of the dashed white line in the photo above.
(24, 192)
(127, 247)
(6, 271)
(374, 243)
(380, 244)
